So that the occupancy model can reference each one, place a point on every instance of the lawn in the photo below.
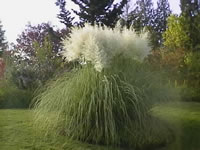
(17, 132)
(184, 119)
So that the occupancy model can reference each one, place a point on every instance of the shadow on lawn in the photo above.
(187, 136)
(185, 121)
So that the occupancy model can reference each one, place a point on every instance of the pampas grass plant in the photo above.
(99, 45)
(105, 100)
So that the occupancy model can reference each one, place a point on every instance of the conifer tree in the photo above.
(162, 12)
(99, 12)
(191, 12)
(142, 15)
(3, 43)
(126, 18)
(190, 8)
(64, 15)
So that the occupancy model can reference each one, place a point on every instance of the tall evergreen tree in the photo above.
(126, 18)
(126, 12)
(99, 12)
(162, 12)
(3, 43)
(190, 8)
(191, 12)
(142, 15)
(64, 15)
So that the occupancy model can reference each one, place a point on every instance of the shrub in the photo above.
(13, 97)
(190, 93)
(191, 89)
(169, 61)
(107, 98)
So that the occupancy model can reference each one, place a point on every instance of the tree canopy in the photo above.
(142, 15)
(64, 15)
(3, 43)
(159, 26)
(191, 12)
(104, 12)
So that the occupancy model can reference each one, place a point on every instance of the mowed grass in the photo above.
(184, 119)
(18, 133)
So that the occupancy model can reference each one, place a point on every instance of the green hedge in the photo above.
(13, 97)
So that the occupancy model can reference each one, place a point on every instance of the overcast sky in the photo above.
(15, 14)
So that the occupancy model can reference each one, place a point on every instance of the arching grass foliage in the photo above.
(105, 100)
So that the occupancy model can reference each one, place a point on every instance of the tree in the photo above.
(2, 68)
(48, 63)
(161, 14)
(126, 10)
(142, 15)
(25, 50)
(64, 15)
(36, 55)
(125, 19)
(191, 12)
(100, 12)
(190, 8)
(3, 43)
(175, 36)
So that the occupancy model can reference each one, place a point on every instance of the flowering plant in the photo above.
(99, 45)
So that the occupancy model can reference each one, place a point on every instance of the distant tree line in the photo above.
(35, 57)
(180, 55)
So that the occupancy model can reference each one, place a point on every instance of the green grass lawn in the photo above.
(184, 118)
(17, 132)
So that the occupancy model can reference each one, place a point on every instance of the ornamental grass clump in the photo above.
(105, 99)
(100, 45)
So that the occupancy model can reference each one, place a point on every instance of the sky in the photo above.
(16, 14)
